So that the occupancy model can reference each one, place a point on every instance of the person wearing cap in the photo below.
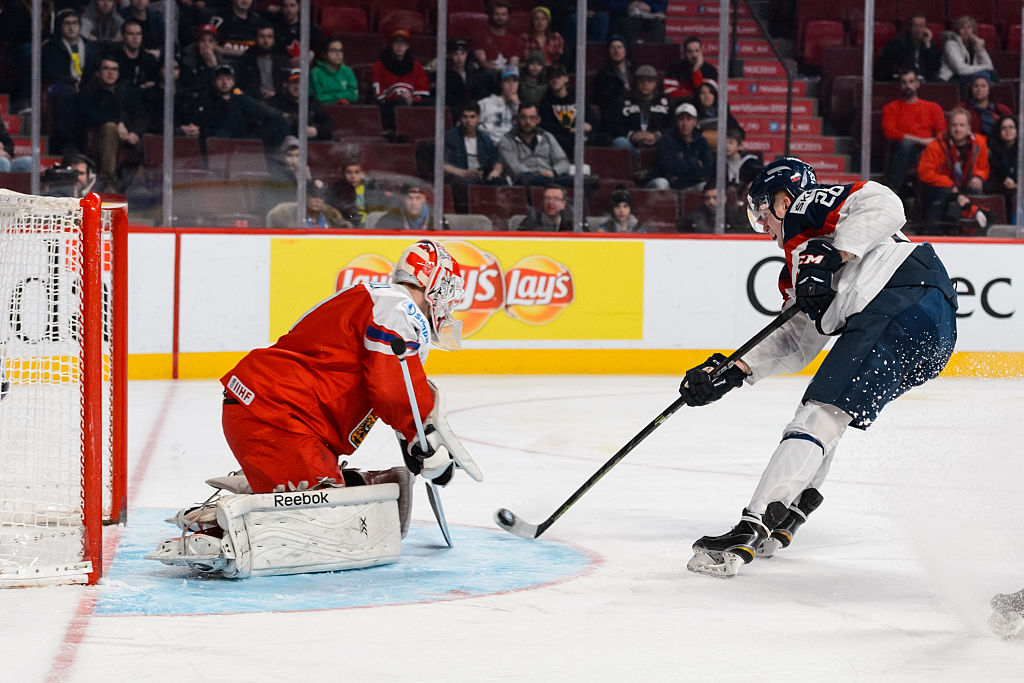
(684, 157)
(498, 112)
(226, 112)
(262, 65)
(100, 22)
(465, 81)
(67, 62)
(139, 69)
(645, 114)
(531, 155)
(470, 157)
(621, 218)
(985, 111)
(533, 81)
(331, 81)
(412, 214)
(558, 114)
(152, 23)
(685, 75)
(398, 78)
(541, 38)
(495, 45)
(320, 125)
(286, 30)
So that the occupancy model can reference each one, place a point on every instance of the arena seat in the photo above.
(499, 203)
(359, 120)
(221, 151)
(361, 48)
(412, 20)
(983, 11)
(990, 35)
(884, 32)
(334, 19)
(658, 55)
(1008, 14)
(417, 123)
(819, 35)
(657, 209)
(935, 10)
(397, 158)
(466, 24)
(608, 162)
(185, 151)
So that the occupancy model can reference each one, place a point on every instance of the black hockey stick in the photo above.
(398, 348)
(507, 520)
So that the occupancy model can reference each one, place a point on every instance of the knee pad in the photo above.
(817, 422)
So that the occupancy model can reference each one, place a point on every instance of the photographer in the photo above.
(74, 176)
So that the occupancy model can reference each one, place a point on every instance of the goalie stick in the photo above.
(433, 495)
(510, 522)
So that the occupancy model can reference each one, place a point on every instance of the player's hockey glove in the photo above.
(699, 389)
(436, 464)
(818, 264)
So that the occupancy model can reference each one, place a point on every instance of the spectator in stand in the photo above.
(465, 80)
(101, 23)
(414, 212)
(1002, 159)
(185, 106)
(262, 64)
(318, 213)
(68, 62)
(284, 166)
(533, 82)
(952, 167)
(531, 155)
(684, 157)
(237, 29)
(495, 46)
(740, 170)
(139, 69)
(541, 38)
(470, 158)
(319, 126)
(612, 83)
(707, 112)
(909, 124)
(983, 107)
(553, 214)
(116, 118)
(286, 30)
(964, 54)
(913, 50)
(638, 19)
(200, 59)
(8, 162)
(685, 75)
(226, 112)
(621, 218)
(398, 78)
(356, 194)
(152, 23)
(498, 112)
(331, 81)
(563, 14)
(703, 219)
(558, 113)
(644, 115)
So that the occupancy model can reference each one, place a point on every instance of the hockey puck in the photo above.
(506, 518)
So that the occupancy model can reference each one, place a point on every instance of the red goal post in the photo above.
(63, 300)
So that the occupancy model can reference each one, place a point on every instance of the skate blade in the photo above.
(768, 547)
(724, 566)
(1006, 626)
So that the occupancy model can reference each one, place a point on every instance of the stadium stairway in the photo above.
(758, 98)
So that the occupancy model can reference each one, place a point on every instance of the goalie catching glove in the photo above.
(698, 388)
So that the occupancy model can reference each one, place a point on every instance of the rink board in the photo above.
(200, 299)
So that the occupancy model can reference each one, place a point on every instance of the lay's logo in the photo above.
(484, 286)
(538, 289)
(363, 269)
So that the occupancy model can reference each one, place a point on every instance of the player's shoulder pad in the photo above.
(395, 310)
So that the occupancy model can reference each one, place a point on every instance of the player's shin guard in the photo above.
(793, 519)
(723, 555)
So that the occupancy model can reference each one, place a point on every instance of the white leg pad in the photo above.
(296, 533)
(448, 439)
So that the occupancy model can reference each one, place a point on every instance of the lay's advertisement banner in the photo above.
(515, 289)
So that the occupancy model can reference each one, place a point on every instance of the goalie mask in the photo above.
(789, 174)
(429, 266)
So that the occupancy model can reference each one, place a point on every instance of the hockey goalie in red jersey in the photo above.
(292, 409)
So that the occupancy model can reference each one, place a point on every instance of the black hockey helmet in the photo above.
(789, 174)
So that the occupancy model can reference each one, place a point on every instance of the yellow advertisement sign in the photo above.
(516, 289)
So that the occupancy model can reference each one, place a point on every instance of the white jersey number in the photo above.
(826, 196)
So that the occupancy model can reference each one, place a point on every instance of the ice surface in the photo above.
(889, 580)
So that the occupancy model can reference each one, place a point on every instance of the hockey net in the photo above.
(62, 376)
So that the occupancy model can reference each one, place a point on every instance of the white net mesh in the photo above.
(41, 426)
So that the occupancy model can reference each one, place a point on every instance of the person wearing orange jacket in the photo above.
(952, 167)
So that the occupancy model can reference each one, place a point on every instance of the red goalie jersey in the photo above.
(321, 387)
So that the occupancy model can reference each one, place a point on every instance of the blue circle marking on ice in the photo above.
(483, 562)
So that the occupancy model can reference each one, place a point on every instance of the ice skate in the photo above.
(796, 515)
(198, 551)
(723, 555)
(1007, 618)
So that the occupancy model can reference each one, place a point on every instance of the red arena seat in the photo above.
(819, 35)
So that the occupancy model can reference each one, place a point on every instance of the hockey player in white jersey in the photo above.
(853, 274)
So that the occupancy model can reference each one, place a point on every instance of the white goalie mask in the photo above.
(428, 265)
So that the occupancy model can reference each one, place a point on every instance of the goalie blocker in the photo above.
(294, 532)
